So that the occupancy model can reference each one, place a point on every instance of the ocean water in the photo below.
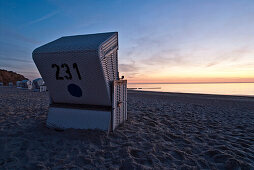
(243, 89)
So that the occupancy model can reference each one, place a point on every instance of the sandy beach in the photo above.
(163, 131)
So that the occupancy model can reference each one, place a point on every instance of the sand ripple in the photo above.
(164, 131)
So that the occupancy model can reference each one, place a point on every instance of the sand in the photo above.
(164, 131)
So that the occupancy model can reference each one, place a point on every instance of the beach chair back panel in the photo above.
(119, 103)
(75, 78)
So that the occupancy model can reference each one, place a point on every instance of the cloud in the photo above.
(230, 57)
(45, 17)
(127, 68)
(211, 64)
(156, 49)
(16, 59)
(30, 75)
(130, 70)
(8, 33)
(167, 60)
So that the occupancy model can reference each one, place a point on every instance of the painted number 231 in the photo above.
(66, 68)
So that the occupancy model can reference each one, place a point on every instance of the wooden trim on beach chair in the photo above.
(81, 106)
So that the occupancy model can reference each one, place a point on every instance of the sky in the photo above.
(162, 41)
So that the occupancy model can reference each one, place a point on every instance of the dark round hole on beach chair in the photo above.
(74, 90)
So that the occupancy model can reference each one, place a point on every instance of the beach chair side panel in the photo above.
(119, 113)
(108, 55)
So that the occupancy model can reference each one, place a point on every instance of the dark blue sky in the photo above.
(159, 40)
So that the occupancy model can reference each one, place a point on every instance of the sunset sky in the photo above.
(160, 41)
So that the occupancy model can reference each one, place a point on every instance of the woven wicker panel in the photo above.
(108, 55)
(119, 103)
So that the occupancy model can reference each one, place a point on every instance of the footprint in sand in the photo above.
(136, 153)
(179, 155)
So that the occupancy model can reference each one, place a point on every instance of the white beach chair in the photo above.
(18, 84)
(37, 83)
(25, 84)
(81, 73)
(43, 88)
(29, 85)
(10, 84)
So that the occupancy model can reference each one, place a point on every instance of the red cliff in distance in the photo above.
(10, 76)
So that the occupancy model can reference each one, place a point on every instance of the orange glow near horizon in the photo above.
(192, 75)
(238, 67)
(194, 80)
(191, 79)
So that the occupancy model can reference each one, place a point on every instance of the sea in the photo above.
(239, 89)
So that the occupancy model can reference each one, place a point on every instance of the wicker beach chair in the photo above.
(81, 73)
(37, 83)
(24, 84)
(18, 84)
(10, 84)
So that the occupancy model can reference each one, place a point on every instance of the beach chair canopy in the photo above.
(24, 83)
(37, 83)
(79, 69)
(18, 83)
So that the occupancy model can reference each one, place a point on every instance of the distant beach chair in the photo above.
(81, 73)
(18, 84)
(43, 88)
(29, 85)
(37, 83)
(10, 84)
(25, 84)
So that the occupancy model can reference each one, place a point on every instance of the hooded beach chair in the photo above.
(37, 83)
(24, 84)
(18, 84)
(81, 73)
(43, 88)
(10, 84)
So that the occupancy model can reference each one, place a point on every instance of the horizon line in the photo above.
(192, 83)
